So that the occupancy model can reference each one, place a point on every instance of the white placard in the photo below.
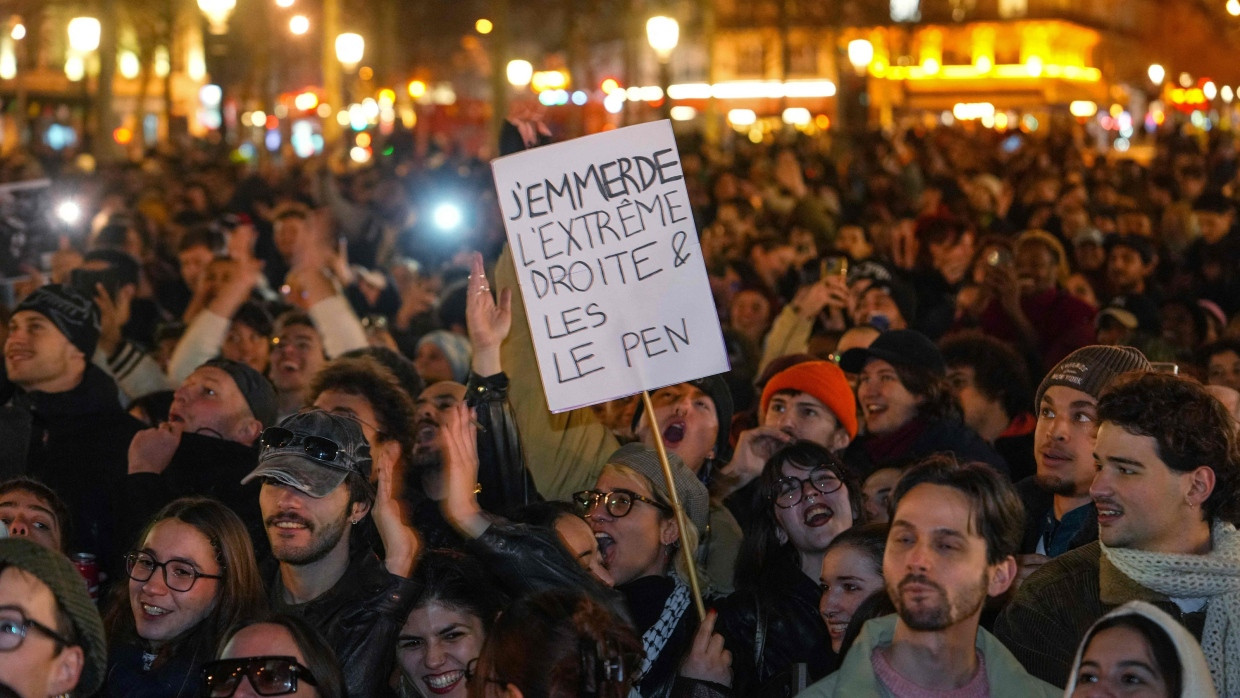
(608, 261)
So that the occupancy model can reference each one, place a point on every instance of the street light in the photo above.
(860, 54)
(350, 48)
(1157, 73)
(84, 34)
(520, 72)
(217, 13)
(663, 33)
(298, 25)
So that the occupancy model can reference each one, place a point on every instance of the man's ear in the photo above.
(250, 431)
(839, 441)
(1002, 574)
(66, 671)
(1200, 484)
(358, 510)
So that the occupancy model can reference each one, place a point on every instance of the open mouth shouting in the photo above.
(606, 547)
(674, 433)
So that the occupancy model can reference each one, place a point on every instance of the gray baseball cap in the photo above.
(313, 452)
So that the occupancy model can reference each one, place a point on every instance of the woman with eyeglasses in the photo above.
(192, 576)
(805, 498)
(280, 655)
(452, 614)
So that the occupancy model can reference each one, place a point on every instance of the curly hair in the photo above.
(999, 372)
(366, 378)
(761, 544)
(1190, 428)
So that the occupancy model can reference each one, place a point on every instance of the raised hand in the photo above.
(458, 441)
(487, 321)
(400, 540)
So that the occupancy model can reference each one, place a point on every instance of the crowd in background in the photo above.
(978, 436)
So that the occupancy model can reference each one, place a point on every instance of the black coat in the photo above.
(77, 443)
(942, 436)
(201, 466)
(360, 617)
(785, 604)
(1037, 502)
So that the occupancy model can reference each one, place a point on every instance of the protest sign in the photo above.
(609, 264)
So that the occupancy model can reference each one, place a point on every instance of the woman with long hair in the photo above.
(192, 576)
(453, 610)
(805, 499)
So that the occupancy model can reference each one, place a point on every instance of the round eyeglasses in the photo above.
(618, 503)
(179, 575)
(14, 625)
(789, 489)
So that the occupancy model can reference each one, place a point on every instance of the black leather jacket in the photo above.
(360, 618)
(784, 607)
(505, 481)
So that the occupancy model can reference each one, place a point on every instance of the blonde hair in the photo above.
(688, 537)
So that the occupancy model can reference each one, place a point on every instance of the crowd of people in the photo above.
(267, 433)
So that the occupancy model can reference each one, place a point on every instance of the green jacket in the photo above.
(855, 678)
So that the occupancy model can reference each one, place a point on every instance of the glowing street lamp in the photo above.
(1157, 74)
(663, 33)
(298, 25)
(350, 48)
(520, 72)
(84, 34)
(860, 54)
(217, 13)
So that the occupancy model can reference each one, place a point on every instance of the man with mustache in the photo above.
(1059, 514)
(1165, 489)
(954, 530)
(315, 469)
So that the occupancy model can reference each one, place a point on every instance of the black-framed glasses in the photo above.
(317, 447)
(269, 676)
(617, 502)
(789, 489)
(14, 626)
(179, 575)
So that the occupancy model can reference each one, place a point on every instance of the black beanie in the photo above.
(75, 315)
(254, 387)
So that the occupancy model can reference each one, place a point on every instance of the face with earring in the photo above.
(305, 529)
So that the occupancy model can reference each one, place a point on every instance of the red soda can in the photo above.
(88, 567)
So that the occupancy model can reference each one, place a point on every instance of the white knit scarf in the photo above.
(1215, 576)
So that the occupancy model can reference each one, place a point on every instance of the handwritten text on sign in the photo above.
(609, 265)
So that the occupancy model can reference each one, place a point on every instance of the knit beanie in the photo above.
(1090, 369)
(822, 380)
(693, 495)
(75, 315)
(455, 348)
(254, 386)
(54, 569)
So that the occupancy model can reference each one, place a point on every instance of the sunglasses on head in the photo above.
(317, 447)
(268, 676)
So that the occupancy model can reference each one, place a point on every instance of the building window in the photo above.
(1009, 9)
(905, 10)
(803, 59)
